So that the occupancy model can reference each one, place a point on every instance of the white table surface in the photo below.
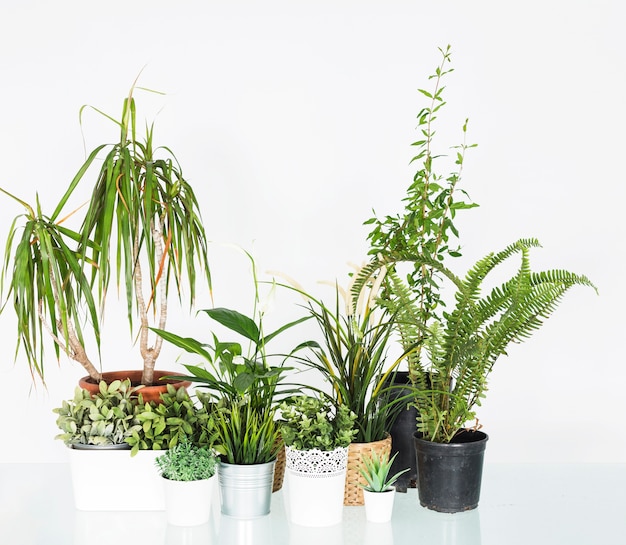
(520, 504)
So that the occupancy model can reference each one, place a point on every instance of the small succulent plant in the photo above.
(106, 418)
(187, 462)
(375, 471)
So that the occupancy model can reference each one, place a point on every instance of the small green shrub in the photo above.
(176, 419)
(107, 418)
(310, 422)
(187, 462)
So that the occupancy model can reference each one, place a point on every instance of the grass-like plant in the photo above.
(353, 358)
(375, 471)
(187, 462)
(141, 227)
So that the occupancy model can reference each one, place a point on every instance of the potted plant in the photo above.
(140, 226)
(189, 474)
(317, 435)
(244, 388)
(352, 360)
(116, 418)
(455, 349)
(379, 491)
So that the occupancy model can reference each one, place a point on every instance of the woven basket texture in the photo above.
(353, 494)
(279, 468)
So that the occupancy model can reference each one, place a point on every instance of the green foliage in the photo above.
(426, 225)
(463, 348)
(246, 434)
(174, 420)
(454, 351)
(375, 471)
(309, 422)
(187, 462)
(243, 387)
(353, 360)
(142, 226)
(107, 418)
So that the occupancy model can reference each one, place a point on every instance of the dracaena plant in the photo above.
(141, 227)
(352, 357)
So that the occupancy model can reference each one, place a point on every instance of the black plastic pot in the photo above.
(401, 431)
(449, 475)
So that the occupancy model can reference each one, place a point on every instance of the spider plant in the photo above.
(141, 226)
(353, 358)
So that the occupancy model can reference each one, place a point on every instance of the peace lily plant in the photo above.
(141, 226)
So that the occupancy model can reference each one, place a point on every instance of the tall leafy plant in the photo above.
(426, 225)
(454, 350)
(141, 226)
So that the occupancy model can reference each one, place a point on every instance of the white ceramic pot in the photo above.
(315, 486)
(112, 480)
(379, 505)
(188, 503)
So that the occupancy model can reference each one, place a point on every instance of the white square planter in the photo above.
(112, 480)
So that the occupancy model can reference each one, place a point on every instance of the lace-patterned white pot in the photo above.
(317, 463)
(315, 483)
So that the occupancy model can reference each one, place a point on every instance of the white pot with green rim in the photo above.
(315, 482)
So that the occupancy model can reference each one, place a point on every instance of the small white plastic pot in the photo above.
(379, 505)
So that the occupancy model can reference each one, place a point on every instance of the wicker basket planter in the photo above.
(353, 493)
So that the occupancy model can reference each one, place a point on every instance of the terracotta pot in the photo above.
(149, 393)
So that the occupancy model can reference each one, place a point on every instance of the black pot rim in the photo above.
(479, 438)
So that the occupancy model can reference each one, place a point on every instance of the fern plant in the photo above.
(451, 353)
(463, 347)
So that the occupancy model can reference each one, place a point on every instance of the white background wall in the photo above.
(294, 119)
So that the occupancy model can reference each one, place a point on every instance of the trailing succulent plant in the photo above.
(375, 471)
(174, 420)
(187, 462)
(313, 423)
(107, 418)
